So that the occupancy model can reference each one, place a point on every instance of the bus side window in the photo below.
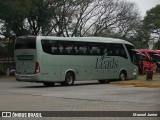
(55, 47)
(46, 46)
(48, 49)
(85, 50)
(105, 52)
(54, 50)
(82, 50)
(68, 50)
(95, 50)
(110, 53)
(90, 52)
(75, 50)
(118, 50)
(61, 50)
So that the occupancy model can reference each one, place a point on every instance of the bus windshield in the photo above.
(155, 57)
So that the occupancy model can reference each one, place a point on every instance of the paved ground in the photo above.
(83, 96)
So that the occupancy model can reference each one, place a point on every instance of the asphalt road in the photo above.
(83, 96)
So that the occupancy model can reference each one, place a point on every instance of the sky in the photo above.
(145, 5)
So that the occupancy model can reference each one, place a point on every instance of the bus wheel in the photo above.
(102, 81)
(69, 79)
(48, 84)
(122, 76)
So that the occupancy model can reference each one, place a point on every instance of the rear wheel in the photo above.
(69, 79)
(122, 76)
(48, 84)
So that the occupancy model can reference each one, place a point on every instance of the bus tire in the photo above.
(48, 84)
(122, 76)
(69, 79)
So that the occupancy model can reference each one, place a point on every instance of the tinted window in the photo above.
(82, 48)
(65, 47)
(118, 50)
(114, 50)
(71, 48)
(132, 54)
(25, 43)
(95, 49)
(25, 57)
(46, 46)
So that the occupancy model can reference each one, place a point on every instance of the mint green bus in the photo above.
(50, 60)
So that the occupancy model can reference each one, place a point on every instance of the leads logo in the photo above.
(106, 63)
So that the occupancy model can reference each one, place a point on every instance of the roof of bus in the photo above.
(158, 51)
(86, 39)
(147, 50)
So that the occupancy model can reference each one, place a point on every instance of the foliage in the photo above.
(39, 17)
(12, 14)
(67, 17)
(109, 18)
(140, 37)
(152, 22)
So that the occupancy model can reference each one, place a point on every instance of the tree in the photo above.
(69, 15)
(39, 17)
(120, 17)
(92, 17)
(12, 15)
(29, 17)
(152, 22)
(19, 18)
(140, 36)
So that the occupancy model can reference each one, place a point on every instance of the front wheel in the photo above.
(69, 79)
(122, 76)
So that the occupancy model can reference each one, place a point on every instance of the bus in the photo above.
(145, 63)
(50, 60)
(154, 56)
(158, 51)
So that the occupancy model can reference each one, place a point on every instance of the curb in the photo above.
(137, 84)
(147, 85)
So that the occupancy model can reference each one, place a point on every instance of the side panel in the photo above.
(105, 66)
(54, 67)
(59, 57)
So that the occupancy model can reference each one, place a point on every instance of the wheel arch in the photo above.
(125, 71)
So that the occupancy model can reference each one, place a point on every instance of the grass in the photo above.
(142, 78)
(142, 82)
